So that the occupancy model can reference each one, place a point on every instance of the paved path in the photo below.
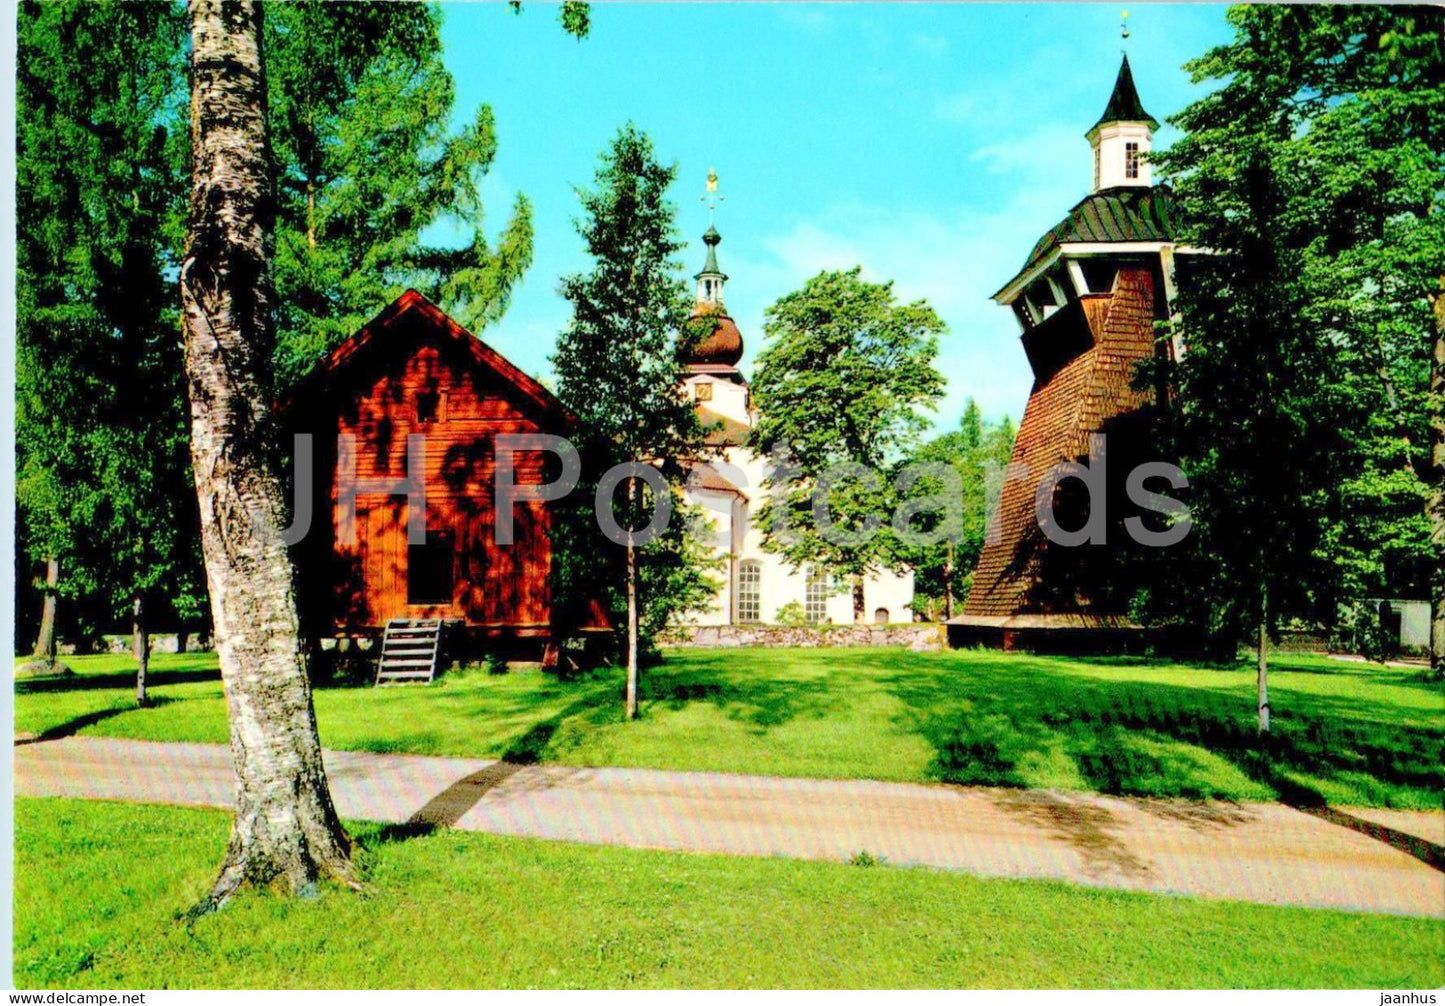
(1377, 861)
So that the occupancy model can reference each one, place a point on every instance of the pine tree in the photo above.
(365, 161)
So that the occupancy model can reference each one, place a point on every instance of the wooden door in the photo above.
(381, 542)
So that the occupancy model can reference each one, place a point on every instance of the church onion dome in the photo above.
(1124, 104)
(721, 346)
(718, 344)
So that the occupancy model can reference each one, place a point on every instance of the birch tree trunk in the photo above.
(286, 832)
(858, 613)
(45, 642)
(1437, 485)
(140, 642)
(1262, 674)
(631, 629)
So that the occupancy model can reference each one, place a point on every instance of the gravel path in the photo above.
(1365, 860)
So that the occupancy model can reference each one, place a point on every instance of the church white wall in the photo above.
(729, 398)
(738, 540)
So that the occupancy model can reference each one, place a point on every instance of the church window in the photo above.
(1131, 160)
(815, 596)
(750, 578)
(880, 616)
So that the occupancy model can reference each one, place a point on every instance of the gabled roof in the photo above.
(1123, 214)
(1124, 104)
(389, 325)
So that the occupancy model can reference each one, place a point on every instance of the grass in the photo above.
(1344, 733)
(100, 890)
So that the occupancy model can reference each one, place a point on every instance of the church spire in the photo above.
(711, 279)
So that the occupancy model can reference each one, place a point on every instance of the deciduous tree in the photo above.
(1312, 173)
(618, 369)
(839, 388)
(286, 830)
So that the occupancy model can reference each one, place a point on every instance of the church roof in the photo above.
(722, 345)
(1126, 213)
(1124, 104)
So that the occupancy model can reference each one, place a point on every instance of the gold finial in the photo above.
(711, 196)
(1124, 25)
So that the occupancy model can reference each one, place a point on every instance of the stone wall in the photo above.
(161, 642)
(917, 637)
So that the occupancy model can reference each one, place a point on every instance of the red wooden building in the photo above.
(414, 371)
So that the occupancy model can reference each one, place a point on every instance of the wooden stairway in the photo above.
(410, 650)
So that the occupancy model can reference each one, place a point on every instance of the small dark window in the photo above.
(427, 404)
(1131, 160)
(429, 570)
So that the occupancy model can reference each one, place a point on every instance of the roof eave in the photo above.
(1016, 286)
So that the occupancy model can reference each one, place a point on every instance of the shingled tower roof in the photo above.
(1124, 104)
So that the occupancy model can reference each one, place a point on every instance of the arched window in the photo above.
(815, 596)
(880, 616)
(750, 579)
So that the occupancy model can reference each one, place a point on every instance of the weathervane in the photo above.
(711, 196)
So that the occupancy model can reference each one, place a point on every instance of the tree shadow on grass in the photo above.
(118, 680)
(759, 701)
(1150, 738)
(73, 726)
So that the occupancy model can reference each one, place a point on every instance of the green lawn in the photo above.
(100, 889)
(1345, 733)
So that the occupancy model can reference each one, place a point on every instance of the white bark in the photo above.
(286, 830)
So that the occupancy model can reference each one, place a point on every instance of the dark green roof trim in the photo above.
(1124, 104)
(1126, 213)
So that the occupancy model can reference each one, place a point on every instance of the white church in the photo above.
(756, 584)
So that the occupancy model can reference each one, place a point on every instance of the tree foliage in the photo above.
(1312, 174)
(839, 387)
(978, 450)
(367, 169)
(102, 480)
(364, 163)
(619, 373)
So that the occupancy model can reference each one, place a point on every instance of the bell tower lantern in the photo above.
(1121, 138)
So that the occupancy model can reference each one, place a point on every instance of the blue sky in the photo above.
(932, 144)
